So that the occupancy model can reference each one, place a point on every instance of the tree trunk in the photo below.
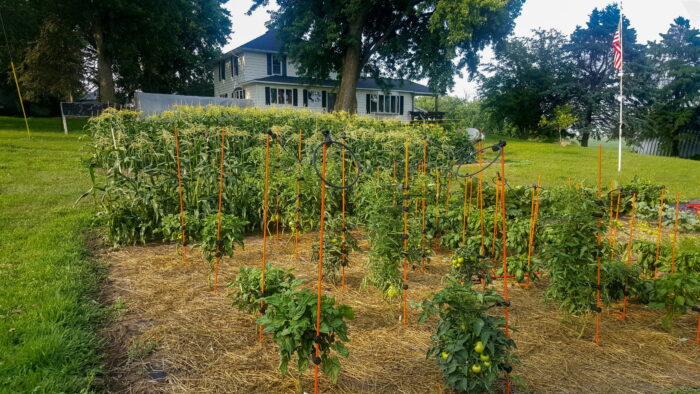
(585, 135)
(347, 97)
(584, 138)
(105, 78)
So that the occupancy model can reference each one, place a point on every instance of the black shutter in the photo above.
(368, 106)
(393, 104)
(323, 99)
(401, 105)
(295, 97)
(284, 66)
(267, 96)
(305, 98)
(269, 64)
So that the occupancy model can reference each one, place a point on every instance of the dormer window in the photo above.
(276, 64)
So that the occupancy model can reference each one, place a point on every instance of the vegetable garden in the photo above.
(418, 218)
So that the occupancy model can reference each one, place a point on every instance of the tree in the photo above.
(398, 39)
(120, 45)
(460, 113)
(674, 113)
(561, 120)
(528, 79)
(590, 48)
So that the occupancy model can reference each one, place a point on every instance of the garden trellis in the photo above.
(208, 169)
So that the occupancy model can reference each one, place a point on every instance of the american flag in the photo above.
(617, 47)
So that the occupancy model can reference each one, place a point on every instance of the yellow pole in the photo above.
(21, 103)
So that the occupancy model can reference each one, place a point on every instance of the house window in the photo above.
(281, 96)
(276, 65)
(373, 103)
(225, 95)
(314, 97)
(238, 93)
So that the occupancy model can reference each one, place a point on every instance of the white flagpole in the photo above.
(622, 63)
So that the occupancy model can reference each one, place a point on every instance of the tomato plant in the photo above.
(336, 251)
(246, 291)
(291, 319)
(469, 346)
(468, 263)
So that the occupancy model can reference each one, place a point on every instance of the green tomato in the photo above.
(445, 355)
(392, 292)
(460, 260)
(484, 357)
(487, 364)
(476, 368)
(479, 347)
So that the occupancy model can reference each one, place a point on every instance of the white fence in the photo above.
(155, 103)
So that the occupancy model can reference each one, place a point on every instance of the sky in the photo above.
(648, 17)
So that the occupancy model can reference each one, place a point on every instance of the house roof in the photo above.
(363, 83)
(268, 42)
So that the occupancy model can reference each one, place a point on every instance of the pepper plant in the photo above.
(246, 291)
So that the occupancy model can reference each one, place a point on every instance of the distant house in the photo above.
(258, 71)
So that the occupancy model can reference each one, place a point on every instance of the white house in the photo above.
(259, 72)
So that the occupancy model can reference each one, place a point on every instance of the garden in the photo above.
(284, 251)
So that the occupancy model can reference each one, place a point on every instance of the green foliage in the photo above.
(460, 113)
(291, 318)
(353, 36)
(615, 278)
(336, 251)
(561, 119)
(518, 267)
(138, 157)
(676, 293)
(468, 264)
(463, 324)
(246, 291)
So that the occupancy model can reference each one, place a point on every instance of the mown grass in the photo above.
(48, 314)
(526, 160)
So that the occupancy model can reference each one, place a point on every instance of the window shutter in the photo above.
(393, 104)
(235, 65)
(220, 66)
(284, 66)
(269, 64)
(305, 98)
(223, 70)
(323, 99)
(400, 105)
(368, 104)
(267, 96)
(295, 97)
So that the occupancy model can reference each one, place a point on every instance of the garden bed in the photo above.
(171, 334)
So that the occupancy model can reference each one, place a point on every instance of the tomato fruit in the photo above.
(476, 368)
(479, 347)
(484, 357)
(445, 355)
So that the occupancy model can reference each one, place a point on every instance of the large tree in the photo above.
(592, 55)
(118, 45)
(415, 39)
(674, 111)
(528, 79)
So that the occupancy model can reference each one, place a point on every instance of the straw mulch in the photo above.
(170, 334)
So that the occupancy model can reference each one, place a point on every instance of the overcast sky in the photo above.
(648, 17)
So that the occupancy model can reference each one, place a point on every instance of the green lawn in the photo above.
(48, 311)
(526, 160)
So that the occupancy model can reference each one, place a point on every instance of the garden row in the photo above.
(411, 197)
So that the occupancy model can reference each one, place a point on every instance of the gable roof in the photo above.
(400, 85)
(268, 42)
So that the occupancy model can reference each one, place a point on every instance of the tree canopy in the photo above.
(416, 39)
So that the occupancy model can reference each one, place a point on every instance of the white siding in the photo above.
(362, 105)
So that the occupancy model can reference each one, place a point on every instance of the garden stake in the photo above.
(505, 258)
(264, 243)
(495, 222)
(182, 209)
(535, 205)
(613, 225)
(598, 244)
(342, 210)
(277, 207)
(447, 193)
(320, 260)
(467, 182)
(629, 255)
(480, 202)
(658, 238)
(405, 232)
(675, 234)
(423, 205)
(297, 224)
(437, 208)
(218, 219)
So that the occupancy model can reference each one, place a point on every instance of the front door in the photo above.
(331, 101)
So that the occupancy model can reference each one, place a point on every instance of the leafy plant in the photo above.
(518, 267)
(291, 318)
(247, 293)
(336, 251)
(469, 346)
(468, 263)
(676, 293)
(231, 233)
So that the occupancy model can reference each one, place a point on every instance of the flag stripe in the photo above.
(617, 47)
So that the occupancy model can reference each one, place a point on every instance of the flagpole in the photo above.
(619, 141)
